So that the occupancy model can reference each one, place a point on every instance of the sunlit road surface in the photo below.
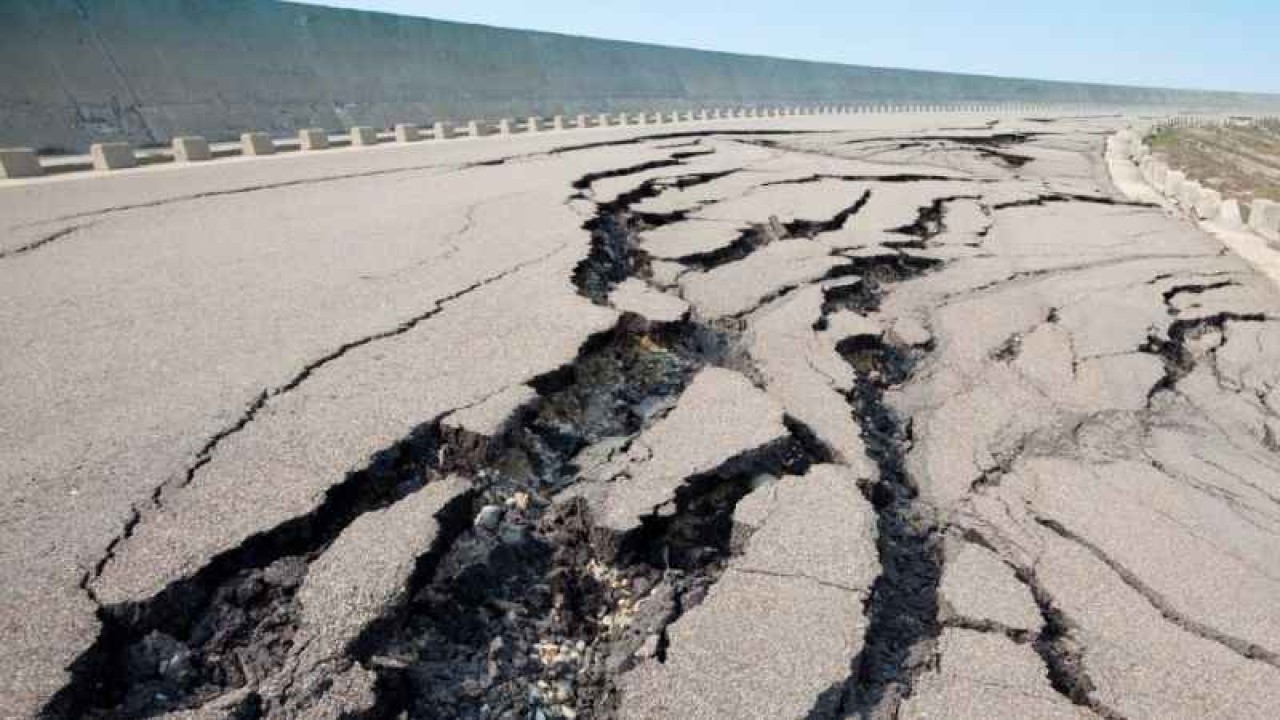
(795, 418)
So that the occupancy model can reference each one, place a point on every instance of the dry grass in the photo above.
(1241, 161)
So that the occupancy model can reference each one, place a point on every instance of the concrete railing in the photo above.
(1203, 203)
(23, 162)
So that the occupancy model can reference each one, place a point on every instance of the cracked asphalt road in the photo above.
(908, 417)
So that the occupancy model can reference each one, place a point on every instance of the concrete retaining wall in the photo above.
(1188, 194)
(145, 71)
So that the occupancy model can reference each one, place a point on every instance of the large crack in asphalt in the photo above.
(759, 235)
(221, 632)
(446, 168)
(45, 239)
(232, 621)
(538, 614)
(1243, 648)
(525, 607)
(202, 457)
(1061, 653)
(1175, 351)
(902, 608)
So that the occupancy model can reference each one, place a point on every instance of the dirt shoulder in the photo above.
(1238, 160)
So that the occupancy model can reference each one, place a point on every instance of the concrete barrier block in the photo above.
(1159, 171)
(603, 120)
(1230, 214)
(1264, 218)
(112, 156)
(191, 148)
(363, 135)
(256, 143)
(19, 163)
(673, 117)
(656, 118)
(313, 139)
(407, 133)
(583, 122)
(533, 124)
(1188, 194)
(441, 131)
(504, 126)
(624, 119)
(557, 122)
(1208, 204)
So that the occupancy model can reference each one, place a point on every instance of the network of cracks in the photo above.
(525, 603)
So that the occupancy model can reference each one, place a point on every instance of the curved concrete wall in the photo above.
(77, 71)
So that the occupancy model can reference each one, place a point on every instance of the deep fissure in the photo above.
(902, 607)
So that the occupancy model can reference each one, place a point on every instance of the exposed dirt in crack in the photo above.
(1061, 653)
(525, 608)
(1175, 349)
(889, 178)
(1240, 646)
(205, 453)
(903, 605)
(537, 614)
(535, 611)
(762, 234)
(231, 623)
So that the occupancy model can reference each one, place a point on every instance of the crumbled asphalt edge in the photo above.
(251, 588)
(1061, 653)
(232, 621)
(902, 608)
(1174, 351)
(1059, 649)
(543, 613)
(540, 582)
(760, 234)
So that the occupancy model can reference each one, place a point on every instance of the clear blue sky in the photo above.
(1211, 44)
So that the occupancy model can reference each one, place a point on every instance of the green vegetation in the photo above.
(1240, 160)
